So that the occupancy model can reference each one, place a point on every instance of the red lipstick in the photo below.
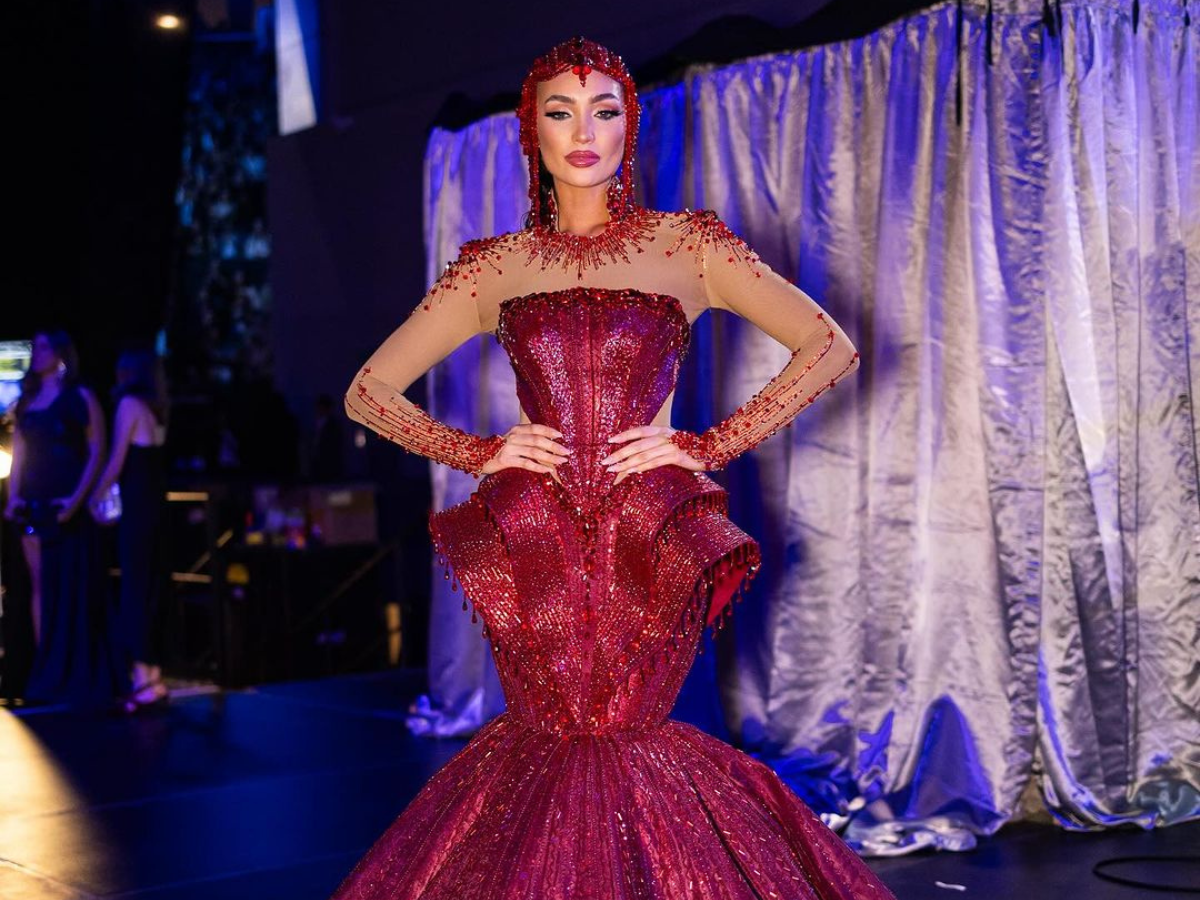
(583, 158)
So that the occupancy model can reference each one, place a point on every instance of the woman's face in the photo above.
(581, 128)
(43, 359)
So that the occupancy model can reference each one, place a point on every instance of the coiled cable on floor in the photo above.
(1192, 888)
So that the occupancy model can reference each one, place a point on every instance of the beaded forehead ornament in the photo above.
(582, 57)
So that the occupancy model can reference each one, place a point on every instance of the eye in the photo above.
(608, 114)
(558, 114)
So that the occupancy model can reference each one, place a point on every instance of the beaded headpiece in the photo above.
(582, 57)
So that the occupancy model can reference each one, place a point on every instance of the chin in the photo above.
(592, 176)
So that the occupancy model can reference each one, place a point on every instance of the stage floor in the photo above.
(274, 792)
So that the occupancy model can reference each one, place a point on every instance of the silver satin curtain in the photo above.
(982, 554)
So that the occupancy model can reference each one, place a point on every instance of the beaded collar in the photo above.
(623, 236)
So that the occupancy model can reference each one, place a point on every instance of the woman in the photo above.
(58, 449)
(136, 465)
(595, 549)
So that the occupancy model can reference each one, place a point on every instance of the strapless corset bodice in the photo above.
(592, 362)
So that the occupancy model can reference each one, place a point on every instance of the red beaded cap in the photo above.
(582, 57)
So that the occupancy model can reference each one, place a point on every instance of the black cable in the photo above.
(987, 34)
(1192, 888)
(1049, 20)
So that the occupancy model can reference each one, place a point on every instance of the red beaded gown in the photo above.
(594, 594)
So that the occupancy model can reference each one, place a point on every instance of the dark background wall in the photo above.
(93, 101)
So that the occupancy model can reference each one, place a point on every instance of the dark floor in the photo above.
(275, 792)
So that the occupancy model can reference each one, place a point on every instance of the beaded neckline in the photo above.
(622, 237)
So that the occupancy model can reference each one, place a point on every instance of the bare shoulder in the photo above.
(131, 406)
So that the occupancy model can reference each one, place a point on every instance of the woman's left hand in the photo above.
(67, 507)
(649, 447)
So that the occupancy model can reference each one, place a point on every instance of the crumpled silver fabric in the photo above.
(980, 558)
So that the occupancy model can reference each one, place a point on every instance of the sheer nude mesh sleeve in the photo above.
(737, 280)
(447, 317)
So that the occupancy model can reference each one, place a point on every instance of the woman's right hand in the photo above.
(13, 508)
(529, 446)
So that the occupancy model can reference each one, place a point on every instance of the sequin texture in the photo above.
(594, 597)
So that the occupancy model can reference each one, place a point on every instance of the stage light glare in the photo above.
(168, 22)
(5, 464)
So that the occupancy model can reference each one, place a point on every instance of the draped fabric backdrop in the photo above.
(982, 554)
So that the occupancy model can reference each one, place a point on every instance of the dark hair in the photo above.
(140, 374)
(545, 193)
(31, 383)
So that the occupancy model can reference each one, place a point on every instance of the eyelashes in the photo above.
(604, 114)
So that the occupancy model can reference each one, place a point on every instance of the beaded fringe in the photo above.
(501, 652)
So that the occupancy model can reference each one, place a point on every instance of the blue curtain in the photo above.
(981, 587)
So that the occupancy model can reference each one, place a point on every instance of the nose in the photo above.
(584, 133)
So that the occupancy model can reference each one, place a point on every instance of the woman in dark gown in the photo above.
(58, 450)
(136, 464)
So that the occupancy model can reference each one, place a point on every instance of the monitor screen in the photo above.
(14, 360)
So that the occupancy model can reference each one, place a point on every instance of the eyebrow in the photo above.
(562, 98)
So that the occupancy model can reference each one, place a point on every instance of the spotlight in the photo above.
(5, 463)
(168, 22)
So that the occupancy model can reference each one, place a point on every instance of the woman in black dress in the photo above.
(136, 465)
(58, 450)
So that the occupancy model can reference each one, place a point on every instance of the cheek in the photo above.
(550, 138)
(615, 141)
(614, 147)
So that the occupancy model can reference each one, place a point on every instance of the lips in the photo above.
(583, 158)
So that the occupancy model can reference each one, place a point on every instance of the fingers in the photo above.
(532, 447)
(544, 456)
(658, 455)
(534, 466)
(633, 440)
(640, 431)
(543, 430)
(632, 450)
(540, 436)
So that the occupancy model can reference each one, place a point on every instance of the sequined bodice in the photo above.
(592, 362)
(581, 638)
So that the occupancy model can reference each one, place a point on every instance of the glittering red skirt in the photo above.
(584, 788)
